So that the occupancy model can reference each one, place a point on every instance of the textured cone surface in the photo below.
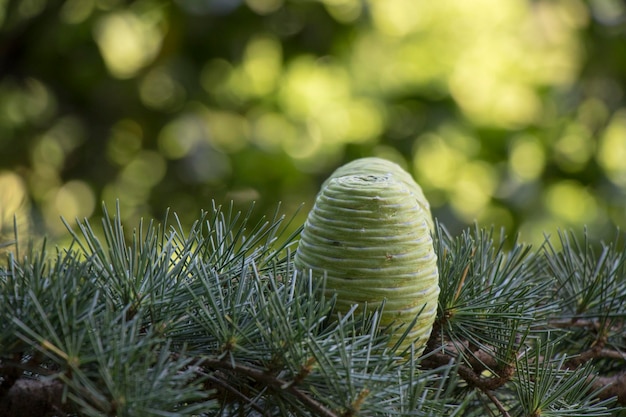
(371, 237)
(375, 166)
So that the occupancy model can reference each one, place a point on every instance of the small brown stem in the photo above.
(33, 398)
(227, 387)
(611, 386)
(497, 403)
(10, 374)
(588, 324)
(271, 381)
(478, 362)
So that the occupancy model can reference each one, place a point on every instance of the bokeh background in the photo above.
(509, 113)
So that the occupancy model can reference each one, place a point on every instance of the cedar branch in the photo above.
(272, 381)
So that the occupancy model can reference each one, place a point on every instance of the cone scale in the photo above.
(369, 232)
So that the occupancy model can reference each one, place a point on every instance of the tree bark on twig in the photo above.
(33, 398)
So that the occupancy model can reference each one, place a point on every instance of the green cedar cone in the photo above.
(369, 232)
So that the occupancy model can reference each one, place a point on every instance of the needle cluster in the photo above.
(216, 321)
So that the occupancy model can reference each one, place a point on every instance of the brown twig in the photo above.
(478, 361)
(589, 324)
(10, 374)
(33, 398)
(497, 403)
(232, 390)
(271, 381)
(593, 353)
(608, 386)
(611, 386)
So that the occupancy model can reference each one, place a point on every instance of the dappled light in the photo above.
(612, 153)
(75, 200)
(527, 158)
(127, 41)
(571, 203)
(15, 220)
(508, 113)
(160, 91)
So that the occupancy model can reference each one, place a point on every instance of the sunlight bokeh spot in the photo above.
(57, 143)
(127, 41)
(608, 11)
(204, 165)
(488, 97)
(306, 145)
(437, 163)
(612, 150)
(48, 151)
(69, 132)
(30, 8)
(43, 182)
(214, 76)
(365, 121)
(76, 11)
(13, 197)
(593, 113)
(128, 195)
(14, 207)
(499, 217)
(271, 129)
(75, 199)
(400, 17)
(527, 158)
(391, 154)
(344, 11)
(33, 102)
(243, 196)
(615, 216)
(473, 189)
(147, 169)
(124, 142)
(569, 201)
(535, 230)
(310, 87)
(132, 200)
(181, 135)
(263, 64)
(264, 7)
(573, 13)
(159, 90)
(228, 132)
(107, 4)
(574, 148)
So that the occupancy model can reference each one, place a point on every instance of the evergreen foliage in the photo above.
(215, 321)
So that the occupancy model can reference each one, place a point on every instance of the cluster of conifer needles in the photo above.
(215, 321)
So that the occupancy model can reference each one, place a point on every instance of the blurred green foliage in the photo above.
(509, 113)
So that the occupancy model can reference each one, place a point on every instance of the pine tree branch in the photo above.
(479, 361)
(608, 386)
(594, 325)
(497, 403)
(270, 380)
(486, 385)
(611, 386)
(10, 374)
(223, 385)
(33, 398)
(213, 286)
